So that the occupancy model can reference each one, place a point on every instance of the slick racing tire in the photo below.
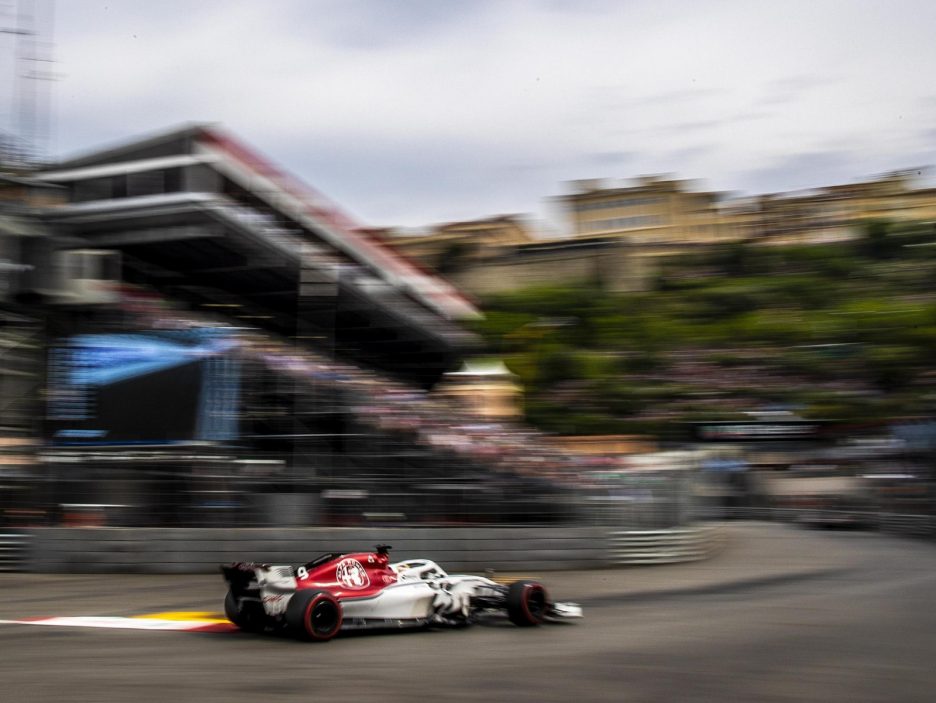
(314, 615)
(527, 603)
(248, 617)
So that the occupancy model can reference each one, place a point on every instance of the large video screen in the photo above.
(143, 388)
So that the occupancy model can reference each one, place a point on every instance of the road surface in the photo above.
(781, 614)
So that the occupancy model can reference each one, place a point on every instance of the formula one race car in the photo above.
(337, 592)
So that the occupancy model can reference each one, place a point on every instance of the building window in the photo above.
(93, 189)
(146, 183)
(623, 202)
(619, 223)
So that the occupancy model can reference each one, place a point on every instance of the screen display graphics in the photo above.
(143, 388)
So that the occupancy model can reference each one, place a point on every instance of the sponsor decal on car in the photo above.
(275, 603)
(352, 574)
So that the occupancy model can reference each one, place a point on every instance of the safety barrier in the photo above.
(912, 524)
(475, 549)
(200, 550)
(907, 524)
(664, 546)
(14, 551)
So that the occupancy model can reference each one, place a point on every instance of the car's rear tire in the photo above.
(314, 615)
(247, 616)
(527, 603)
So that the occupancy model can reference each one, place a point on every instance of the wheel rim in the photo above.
(535, 603)
(322, 618)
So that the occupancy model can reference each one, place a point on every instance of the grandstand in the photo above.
(255, 359)
(199, 217)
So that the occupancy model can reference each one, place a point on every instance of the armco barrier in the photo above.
(182, 550)
(910, 524)
(14, 551)
(907, 524)
(664, 546)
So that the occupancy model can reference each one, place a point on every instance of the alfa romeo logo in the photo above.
(351, 574)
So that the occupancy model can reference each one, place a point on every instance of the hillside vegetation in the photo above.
(844, 331)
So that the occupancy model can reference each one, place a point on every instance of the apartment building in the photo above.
(829, 214)
(661, 215)
(652, 210)
(453, 246)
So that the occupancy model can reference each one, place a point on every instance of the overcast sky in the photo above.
(410, 112)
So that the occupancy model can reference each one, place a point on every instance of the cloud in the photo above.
(792, 88)
(611, 158)
(806, 170)
(690, 126)
(421, 110)
(689, 156)
(750, 116)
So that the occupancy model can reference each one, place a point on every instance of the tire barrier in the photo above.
(14, 551)
(633, 548)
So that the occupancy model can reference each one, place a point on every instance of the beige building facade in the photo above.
(660, 215)
(502, 254)
(453, 246)
(484, 388)
(617, 232)
(610, 263)
(830, 214)
(649, 211)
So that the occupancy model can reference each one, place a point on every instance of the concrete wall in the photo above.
(181, 550)
(613, 263)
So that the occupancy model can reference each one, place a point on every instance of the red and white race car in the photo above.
(337, 592)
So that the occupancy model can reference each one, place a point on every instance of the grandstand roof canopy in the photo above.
(202, 218)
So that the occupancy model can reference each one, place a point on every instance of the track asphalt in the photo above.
(780, 614)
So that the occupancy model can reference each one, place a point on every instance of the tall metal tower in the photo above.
(26, 140)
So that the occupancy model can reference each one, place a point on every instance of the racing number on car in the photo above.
(302, 573)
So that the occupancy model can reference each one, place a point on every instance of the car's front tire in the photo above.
(527, 603)
(314, 615)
